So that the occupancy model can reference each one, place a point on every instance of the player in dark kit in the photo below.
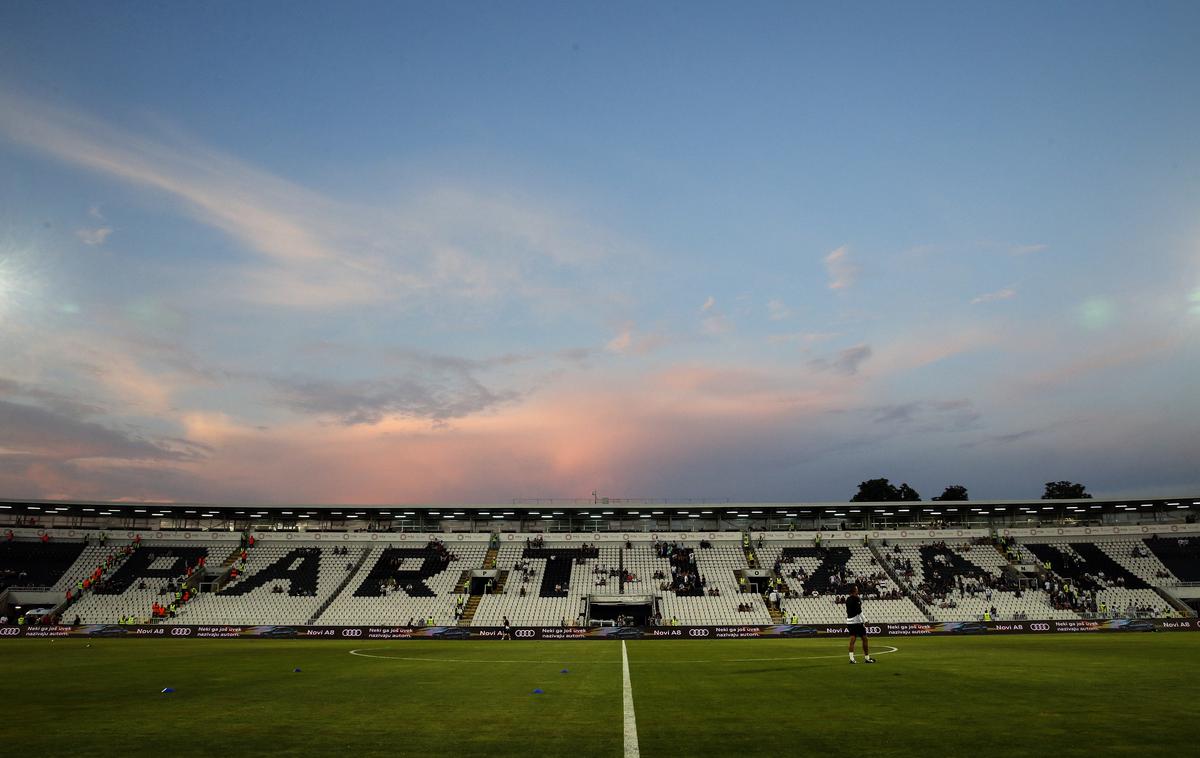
(854, 620)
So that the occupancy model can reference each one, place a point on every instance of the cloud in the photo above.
(806, 338)
(1008, 438)
(429, 387)
(714, 322)
(846, 362)
(57, 402)
(628, 341)
(932, 346)
(44, 432)
(991, 297)
(1111, 356)
(777, 310)
(842, 273)
(95, 236)
(1027, 249)
(306, 250)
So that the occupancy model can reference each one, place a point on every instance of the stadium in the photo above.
(492, 379)
(509, 628)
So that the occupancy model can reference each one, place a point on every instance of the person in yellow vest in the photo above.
(987, 615)
(674, 621)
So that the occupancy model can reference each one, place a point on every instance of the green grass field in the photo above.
(1116, 694)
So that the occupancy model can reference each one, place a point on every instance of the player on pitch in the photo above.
(854, 620)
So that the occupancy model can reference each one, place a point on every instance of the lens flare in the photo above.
(1096, 312)
(17, 278)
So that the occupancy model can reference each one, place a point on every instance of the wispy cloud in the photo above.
(806, 338)
(846, 362)
(715, 322)
(58, 433)
(629, 341)
(1027, 249)
(310, 251)
(95, 236)
(926, 416)
(842, 273)
(777, 310)
(432, 387)
(991, 297)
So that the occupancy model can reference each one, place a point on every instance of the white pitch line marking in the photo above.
(890, 649)
(362, 652)
(631, 740)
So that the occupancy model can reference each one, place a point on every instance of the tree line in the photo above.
(882, 491)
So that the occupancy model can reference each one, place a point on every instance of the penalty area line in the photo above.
(631, 740)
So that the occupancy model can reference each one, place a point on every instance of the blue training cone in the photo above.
(168, 690)
(564, 671)
(295, 671)
(537, 692)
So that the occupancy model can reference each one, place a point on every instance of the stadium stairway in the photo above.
(899, 580)
(362, 557)
(776, 614)
(473, 602)
(226, 569)
(464, 582)
(751, 560)
(1181, 607)
(469, 610)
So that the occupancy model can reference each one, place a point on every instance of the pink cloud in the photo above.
(842, 273)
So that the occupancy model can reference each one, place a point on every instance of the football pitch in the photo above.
(1116, 694)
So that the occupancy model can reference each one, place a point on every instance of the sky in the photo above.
(469, 252)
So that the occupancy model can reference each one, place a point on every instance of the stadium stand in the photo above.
(548, 584)
(1088, 580)
(961, 581)
(36, 564)
(1134, 556)
(138, 581)
(1180, 555)
(281, 584)
(404, 585)
(529, 580)
(817, 580)
(699, 583)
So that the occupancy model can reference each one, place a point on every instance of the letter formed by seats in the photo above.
(398, 567)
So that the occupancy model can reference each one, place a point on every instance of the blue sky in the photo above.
(393, 253)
